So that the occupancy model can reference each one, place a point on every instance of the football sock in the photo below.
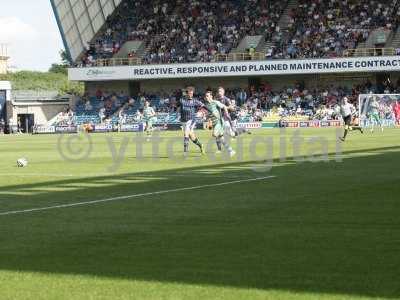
(197, 142)
(346, 131)
(226, 145)
(219, 143)
(186, 144)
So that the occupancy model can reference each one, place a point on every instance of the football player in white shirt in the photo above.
(347, 110)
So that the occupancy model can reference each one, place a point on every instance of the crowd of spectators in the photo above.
(185, 31)
(197, 31)
(325, 28)
(200, 30)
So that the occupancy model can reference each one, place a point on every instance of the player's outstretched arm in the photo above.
(221, 105)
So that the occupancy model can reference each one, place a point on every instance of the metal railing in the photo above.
(369, 52)
(359, 52)
(111, 62)
(240, 56)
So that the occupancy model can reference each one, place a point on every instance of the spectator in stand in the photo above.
(131, 102)
(122, 116)
(241, 96)
(102, 114)
(252, 103)
(99, 94)
(88, 106)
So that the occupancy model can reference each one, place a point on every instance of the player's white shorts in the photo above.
(188, 127)
(228, 128)
(234, 123)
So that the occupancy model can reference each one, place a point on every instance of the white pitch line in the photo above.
(37, 175)
(14, 212)
(131, 175)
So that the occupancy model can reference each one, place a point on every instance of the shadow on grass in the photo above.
(322, 227)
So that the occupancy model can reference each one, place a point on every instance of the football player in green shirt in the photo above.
(149, 117)
(374, 114)
(214, 112)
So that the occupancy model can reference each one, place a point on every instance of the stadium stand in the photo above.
(323, 28)
(184, 31)
(201, 31)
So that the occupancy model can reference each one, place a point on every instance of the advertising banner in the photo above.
(252, 125)
(66, 129)
(131, 128)
(44, 129)
(238, 68)
(103, 128)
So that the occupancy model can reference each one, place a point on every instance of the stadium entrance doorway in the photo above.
(25, 123)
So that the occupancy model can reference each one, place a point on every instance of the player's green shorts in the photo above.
(150, 121)
(375, 117)
(218, 129)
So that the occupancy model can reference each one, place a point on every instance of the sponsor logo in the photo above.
(99, 73)
(44, 129)
(131, 128)
(103, 128)
(252, 125)
(315, 123)
(66, 129)
(291, 124)
(334, 123)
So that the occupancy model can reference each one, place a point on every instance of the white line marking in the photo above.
(131, 196)
(38, 174)
(130, 175)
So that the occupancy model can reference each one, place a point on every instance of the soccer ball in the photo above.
(22, 162)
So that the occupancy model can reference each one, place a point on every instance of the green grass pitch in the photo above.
(310, 230)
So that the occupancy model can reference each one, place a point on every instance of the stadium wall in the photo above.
(42, 112)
